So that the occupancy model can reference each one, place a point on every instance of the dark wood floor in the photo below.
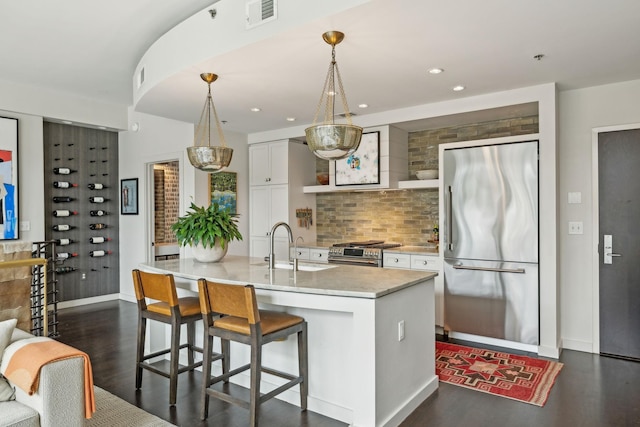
(590, 390)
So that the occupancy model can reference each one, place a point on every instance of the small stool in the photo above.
(170, 310)
(241, 321)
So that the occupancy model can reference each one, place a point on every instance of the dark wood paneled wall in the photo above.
(93, 154)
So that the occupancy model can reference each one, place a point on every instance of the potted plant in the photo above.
(208, 231)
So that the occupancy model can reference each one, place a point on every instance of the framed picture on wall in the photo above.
(223, 190)
(363, 166)
(129, 196)
(9, 177)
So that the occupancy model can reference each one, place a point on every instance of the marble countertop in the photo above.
(322, 279)
(419, 250)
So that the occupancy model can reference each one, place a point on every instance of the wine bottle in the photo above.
(99, 239)
(63, 199)
(63, 227)
(66, 255)
(99, 253)
(64, 242)
(98, 199)
(63, 270)
(96, 186)
(63, 171)
(64, 212)
(63, 184)
(98, 213)
(98, 226)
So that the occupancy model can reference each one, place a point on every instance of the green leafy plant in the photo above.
(205, 225)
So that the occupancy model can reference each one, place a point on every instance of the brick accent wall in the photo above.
(405, 216)
(158, 204)
(167, 200)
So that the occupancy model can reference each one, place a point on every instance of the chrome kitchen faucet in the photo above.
(272, 258)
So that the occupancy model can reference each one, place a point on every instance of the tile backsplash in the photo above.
(405, 216)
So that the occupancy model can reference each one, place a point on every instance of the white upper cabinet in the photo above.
(269, 163)
(278, 171)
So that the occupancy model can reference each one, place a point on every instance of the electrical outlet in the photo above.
(575, 227)
(401, 330)
(25, 226)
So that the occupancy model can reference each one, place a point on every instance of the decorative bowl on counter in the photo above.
(323, 178)
(427, 174)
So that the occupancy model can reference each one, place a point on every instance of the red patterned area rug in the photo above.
(521, 378)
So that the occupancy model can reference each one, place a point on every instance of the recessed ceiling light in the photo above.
(363, 105)
(255, 109)
(458, 88)
(67, 122)
(102, 127)
(435, 70)
(291, 119)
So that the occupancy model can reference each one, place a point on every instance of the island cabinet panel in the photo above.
(278, 171)
(420, 261)
(75, 160)
(362, 371)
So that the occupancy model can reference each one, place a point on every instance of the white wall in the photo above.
(30, 105)
(157, 140)
(30, 175)
(240, 165)
(579, 112)
(37, 101)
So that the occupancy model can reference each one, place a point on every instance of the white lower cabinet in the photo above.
(396, 260)
(421, 262)
(320, 255)
(269, 206)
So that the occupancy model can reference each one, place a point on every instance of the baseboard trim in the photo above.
(87, 301)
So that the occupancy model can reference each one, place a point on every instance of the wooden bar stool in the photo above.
(241, 321)
(171, 310)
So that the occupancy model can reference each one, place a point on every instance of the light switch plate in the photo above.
(575, 197)
(25, 226)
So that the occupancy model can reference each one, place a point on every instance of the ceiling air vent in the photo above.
(261, 11)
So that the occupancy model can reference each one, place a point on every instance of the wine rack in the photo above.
(81, 187)
(44, 288)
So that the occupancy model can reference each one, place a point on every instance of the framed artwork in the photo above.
(129, 196)
(363, 166)
(223, 190)
(8, 178)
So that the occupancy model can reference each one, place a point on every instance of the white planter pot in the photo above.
(214, 254)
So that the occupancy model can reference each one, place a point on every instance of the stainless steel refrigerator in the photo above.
(490, 240)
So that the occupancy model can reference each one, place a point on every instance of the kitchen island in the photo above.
(371, 340)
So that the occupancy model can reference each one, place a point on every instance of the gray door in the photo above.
(619, 201)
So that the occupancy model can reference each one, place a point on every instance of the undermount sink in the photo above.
(304, 267)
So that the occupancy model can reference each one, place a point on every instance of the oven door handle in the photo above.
(354, 262)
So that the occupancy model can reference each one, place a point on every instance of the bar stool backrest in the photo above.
(231, 300)
(159, 287)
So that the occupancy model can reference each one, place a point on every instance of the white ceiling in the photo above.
(91, 49)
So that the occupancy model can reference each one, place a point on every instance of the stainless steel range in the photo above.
(368, 253)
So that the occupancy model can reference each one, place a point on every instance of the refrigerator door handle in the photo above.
(449, 221)
(497, 270)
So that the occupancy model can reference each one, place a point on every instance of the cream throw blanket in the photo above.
(23, 360)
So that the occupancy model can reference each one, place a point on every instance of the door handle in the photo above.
(608, 250)
(494, 270)
(449, 220)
